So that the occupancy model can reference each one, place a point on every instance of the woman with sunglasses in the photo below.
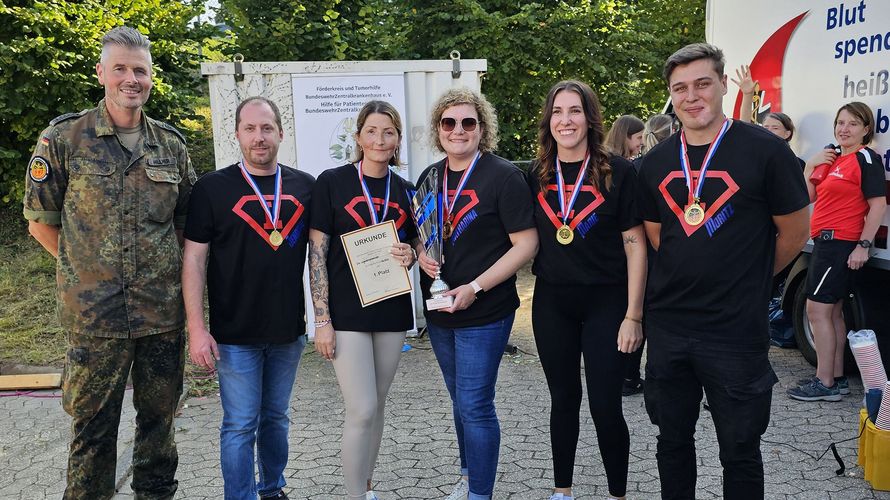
(488, 235)
(590, 275)
(363, 343)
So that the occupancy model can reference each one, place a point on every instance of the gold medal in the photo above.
(275, 238)
(694, 214)
(565, 235)
(446, 230)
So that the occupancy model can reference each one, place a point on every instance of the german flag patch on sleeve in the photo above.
(38, 169)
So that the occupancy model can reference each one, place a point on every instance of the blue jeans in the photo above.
(469, 359)
(255, 383)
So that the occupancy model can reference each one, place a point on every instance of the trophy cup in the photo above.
(426, 208)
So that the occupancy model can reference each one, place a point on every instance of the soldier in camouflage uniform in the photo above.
(106, 193)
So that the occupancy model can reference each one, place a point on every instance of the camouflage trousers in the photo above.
(96, 371)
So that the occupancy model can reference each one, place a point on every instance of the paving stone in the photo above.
(419, 456)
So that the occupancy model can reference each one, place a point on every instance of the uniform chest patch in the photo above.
(38, 169)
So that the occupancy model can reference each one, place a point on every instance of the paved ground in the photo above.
(418, 458)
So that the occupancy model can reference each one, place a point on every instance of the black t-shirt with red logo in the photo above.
(712, 281)
(339, 207)
(255, 289)
(596, 254)
(494, 203)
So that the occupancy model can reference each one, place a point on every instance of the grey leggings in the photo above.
(365, 363)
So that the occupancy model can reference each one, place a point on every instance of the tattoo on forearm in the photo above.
(630, 239)
(318, 274)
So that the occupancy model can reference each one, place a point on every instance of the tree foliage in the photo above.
(286, 30)
(618, 46)
(48, 53)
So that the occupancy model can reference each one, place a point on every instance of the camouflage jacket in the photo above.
(118, 271)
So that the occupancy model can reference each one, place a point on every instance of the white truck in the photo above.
(810, 57)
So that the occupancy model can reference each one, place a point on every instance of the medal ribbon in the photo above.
(564, 206)
(696, 187)
(449, 207)
(273, 214)
(369, 200)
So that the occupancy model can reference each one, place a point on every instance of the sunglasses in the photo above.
(467, 124)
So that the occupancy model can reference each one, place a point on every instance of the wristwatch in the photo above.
(477, 290)
(865, 243)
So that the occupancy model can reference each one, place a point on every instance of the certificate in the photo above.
(377, 276)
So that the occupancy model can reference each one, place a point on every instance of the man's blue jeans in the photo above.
(255, 383)
(469, 359)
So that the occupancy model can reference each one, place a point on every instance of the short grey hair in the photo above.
(694, 52)
(125, 36)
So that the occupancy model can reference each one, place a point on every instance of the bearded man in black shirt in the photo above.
(246, 239)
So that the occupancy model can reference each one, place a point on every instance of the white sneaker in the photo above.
(461, 490)
(560, 496)
(370, 495)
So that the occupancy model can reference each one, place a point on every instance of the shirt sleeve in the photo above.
(322, 213)
(647, 209)
(515, 203)
(185, 187)
(873, 180)
(46, 180)
(628, 215)
(409, 229)
(786, 190)
(199, 223)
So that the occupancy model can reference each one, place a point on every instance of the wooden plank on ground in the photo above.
(35, 381)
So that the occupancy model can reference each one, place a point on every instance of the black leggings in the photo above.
(568, 322)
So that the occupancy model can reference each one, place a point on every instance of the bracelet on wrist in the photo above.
(635, 320)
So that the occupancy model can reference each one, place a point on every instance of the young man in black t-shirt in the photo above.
(249, 228)
(725, 205)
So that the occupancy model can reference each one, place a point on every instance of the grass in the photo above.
(29, 327)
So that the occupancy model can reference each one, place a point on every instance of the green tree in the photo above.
(48, 53)
(286, 30)
(617, 46)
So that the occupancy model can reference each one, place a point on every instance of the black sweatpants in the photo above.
(570, 322)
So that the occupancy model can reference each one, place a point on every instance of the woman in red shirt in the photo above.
(849, 194)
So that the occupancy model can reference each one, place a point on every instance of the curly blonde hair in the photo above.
(488, 119)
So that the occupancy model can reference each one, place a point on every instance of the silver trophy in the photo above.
(426, 208)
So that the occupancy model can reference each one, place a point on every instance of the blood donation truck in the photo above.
(809, 58)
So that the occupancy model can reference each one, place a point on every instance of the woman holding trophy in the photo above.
(487, 234)
(364, 341)
(590, 276)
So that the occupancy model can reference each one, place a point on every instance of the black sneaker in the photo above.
(815, 391)
(631, 387)
(843, 385)
(278, 496)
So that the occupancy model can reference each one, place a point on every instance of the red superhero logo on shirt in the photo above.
(265, 227)
(378, 203)
(710, 209)
(474, 200)
(575, 216)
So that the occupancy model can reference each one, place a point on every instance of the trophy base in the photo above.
(436, 303)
